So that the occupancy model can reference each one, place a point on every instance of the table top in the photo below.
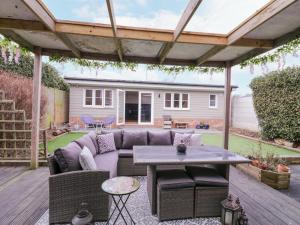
(120, 185)
(167, 155)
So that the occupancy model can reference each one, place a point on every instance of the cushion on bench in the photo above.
(204, 176)
(108, 162)
(131, 138)
(174, 179)
(87, 141)
(159, 138)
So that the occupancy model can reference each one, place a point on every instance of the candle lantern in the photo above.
(243, 220)
(231, 211)
(83, 216)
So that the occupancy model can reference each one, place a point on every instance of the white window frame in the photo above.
(180, 101)
(216, 102)
(104, 98)
(94, 98)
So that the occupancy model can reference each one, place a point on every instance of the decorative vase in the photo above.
(181, 148)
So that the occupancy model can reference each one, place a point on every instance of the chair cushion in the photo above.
(125, 153)
(131, 138)
(108, 162)
(174, 179)
(106, 143)
(87, 141)
(204, 176)
(118, 135)
(86, 159)
(159, 138)
(68, 157)
(173, 132)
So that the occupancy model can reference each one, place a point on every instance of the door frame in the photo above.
(124, 92)
(140, 108)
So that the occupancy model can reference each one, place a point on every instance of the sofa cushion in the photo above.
(118, 136)
(68, 157)
(205, 176)
(159, 138)
(131, 138)
(108, 162)
(87, 141)
(93, 136)
(182, 138)
(125, 153)
(173, 132)
(86, 159)
(106, 143)
(174, 179)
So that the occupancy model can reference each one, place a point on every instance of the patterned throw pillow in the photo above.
(86, 159)
(106, 143)
(186, 138)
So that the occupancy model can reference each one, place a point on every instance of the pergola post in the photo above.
(227, 96)
(36, 98)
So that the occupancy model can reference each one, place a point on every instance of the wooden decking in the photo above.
(24, 197)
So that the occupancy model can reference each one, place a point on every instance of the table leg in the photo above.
(152, 187)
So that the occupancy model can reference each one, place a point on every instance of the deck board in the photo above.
(24, 197)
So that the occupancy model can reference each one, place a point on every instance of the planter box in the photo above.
(273, 179)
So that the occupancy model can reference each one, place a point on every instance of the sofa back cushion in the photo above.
(173, 132)
(159, 138)
(131, 138)
(68, 157)
(118, 136)
(87, 141)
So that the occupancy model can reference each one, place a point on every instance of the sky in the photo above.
(164, 14)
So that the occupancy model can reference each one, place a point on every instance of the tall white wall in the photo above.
(243, 114)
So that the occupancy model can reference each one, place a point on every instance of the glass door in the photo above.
(145, 107)
(120, 107)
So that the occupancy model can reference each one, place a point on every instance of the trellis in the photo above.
(15, 133)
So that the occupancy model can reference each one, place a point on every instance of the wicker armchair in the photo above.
(68, 190)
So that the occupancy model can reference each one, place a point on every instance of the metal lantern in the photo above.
(231, 211)
(243, 220)
(83, 216)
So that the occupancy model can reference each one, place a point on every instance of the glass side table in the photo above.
(120, 188)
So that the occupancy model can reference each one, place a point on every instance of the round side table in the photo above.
(120, 188)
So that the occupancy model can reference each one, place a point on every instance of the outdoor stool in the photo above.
(211, 189)
(175, 195)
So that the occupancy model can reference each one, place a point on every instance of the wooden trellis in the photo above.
(15, 133)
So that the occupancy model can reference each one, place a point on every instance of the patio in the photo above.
(264, 205)
(24, 194)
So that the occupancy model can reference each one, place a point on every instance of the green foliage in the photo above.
(276, 98)
(50, 76)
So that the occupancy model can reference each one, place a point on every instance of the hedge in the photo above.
(276, 98)
(50, 76)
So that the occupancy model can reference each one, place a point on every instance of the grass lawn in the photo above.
(236, 144)
(245, 146)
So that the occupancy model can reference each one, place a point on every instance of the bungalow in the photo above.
(146, 103)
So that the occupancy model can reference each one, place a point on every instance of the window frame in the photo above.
(103, 105)
(180, 108)
(216, 101)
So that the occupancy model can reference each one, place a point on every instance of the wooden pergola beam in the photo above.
(210, 53)
(12, 35)
(38, 9)
(185, 18)
(112, 18)
(269, 11)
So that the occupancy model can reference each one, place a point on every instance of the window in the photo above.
(212, 101)
(177, 101)
(98, 98)
(108, 98)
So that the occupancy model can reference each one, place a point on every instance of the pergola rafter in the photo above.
(184, 20)
(273, 25)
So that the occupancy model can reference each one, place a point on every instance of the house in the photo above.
(145, 103)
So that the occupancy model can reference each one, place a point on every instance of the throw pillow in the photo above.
(173, 132)
(196, 139)
(118, 135)
(186, 138)
(106, 143)
(86, 159)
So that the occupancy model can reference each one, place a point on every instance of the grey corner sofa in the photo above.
(69, 185)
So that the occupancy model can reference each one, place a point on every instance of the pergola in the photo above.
(30, 24)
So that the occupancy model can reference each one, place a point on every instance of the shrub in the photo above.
(19, 89)
(50, 76)
(276, 98)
